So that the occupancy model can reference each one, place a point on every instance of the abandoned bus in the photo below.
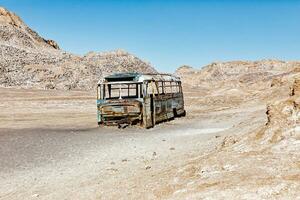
(134, 98)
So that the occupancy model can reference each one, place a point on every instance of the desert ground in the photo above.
(51, 147)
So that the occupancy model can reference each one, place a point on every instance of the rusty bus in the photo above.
(134, 98)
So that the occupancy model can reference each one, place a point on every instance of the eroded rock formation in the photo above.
(30, 61)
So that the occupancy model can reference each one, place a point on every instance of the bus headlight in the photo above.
(133, 109)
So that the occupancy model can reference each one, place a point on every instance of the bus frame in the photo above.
(135, 98)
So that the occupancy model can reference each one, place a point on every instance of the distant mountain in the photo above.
(237, 73)
(29, 61)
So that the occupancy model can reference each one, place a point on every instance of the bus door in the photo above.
(148, 107)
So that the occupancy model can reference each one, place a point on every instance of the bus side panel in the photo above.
(178, 104)
(160, 105)
(168, 106)
(170, 113)
(163, 107)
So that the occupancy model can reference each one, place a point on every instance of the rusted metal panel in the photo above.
(168, 106)
(120, 111)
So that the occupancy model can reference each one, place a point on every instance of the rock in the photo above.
(228, 141)
(122, 126)
(112, 169)
(49, 86)
(7, 17)
(148, 167)
(35, 195)
(295, 88)
(282, 118)
(52, 43)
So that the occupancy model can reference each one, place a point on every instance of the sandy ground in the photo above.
(51, 147)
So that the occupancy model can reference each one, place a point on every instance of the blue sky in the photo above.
(169, 33)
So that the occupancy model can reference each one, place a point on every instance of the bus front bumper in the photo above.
(111, 120)
(116, 113)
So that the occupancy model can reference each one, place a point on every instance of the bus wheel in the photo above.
(175, 112)
(100, 124)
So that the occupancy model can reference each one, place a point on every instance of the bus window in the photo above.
(160, 87)
(171, 87)
(100, 92)
(121, 91)
(167, 87)
(175, 87)
(151, 88)
(141, 94)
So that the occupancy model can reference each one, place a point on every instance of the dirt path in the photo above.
(51, 147)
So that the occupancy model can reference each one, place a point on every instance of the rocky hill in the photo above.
(15, 32)
(259, 157)
(240, 81)
(28, 60)
(236, 72)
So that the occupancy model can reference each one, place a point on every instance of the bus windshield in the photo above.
(120, 90)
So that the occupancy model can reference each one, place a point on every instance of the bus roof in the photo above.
(138, 77)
